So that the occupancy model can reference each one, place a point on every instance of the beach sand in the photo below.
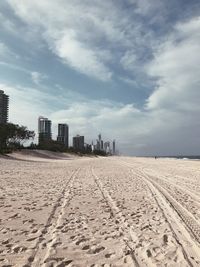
(116, 211)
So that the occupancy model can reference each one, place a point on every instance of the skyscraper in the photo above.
(63, 134)
(101, 148)
(44, 129)
(78, 143)
(107, 147)
(99, 145)
(4, 101)
(113, 147)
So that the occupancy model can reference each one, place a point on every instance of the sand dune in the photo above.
(40, 155)
(113, 211)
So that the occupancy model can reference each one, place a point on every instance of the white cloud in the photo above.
(144, 6)
(91, 117)
(7, 25)
(81, 58)
(128, 81)
(83, 34)
(176, 66)
(3, 49)
(37, 77)
(6, 52)
(70, 35)
(129, 60)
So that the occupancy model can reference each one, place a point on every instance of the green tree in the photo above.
(13, 136)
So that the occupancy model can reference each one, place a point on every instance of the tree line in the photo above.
(13, 136)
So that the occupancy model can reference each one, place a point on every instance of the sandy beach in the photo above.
(114, 211)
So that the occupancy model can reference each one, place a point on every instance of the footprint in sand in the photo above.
(16, 215)
(57, 244)
(18, 249)
(64, 263)
(109, 255)
(86, 247)
(72, 237)
(82, 240)
(57, 262)
(96, 250)
(34, 231)
(148, 253)
(31, 239)
(165, 238)
(5, 242)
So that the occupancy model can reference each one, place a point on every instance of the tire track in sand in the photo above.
(40, 254)
(180, 192)
(168, 205)
(182, 225)
(130, 237)
(191, 223)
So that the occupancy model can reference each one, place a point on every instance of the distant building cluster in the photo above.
(78, 141)
(45, 133)
(107, 146)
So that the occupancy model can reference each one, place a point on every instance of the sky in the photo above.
(129, 70)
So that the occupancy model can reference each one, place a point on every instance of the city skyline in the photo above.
(44, 131)
(136, 77)
(77, 141)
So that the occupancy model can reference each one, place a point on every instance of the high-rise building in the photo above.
(44, 129)
(78, 143)
(113, 147)
(4, 101)
(99, 137)
(107, 147)
(98, 145)
(63, 134)
(92, 146)
(101, 148)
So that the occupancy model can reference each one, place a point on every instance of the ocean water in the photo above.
(184, 157)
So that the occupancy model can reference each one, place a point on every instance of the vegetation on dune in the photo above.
(56, 146)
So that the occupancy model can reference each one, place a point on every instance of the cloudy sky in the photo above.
(129, 69)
